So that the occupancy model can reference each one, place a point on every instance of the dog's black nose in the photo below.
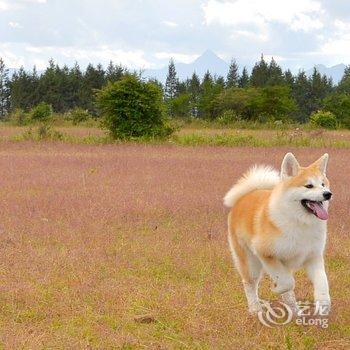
(327, 195)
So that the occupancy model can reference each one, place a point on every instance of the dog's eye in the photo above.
(309, 186)
(322, 184)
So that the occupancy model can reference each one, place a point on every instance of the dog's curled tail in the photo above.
(256, 178)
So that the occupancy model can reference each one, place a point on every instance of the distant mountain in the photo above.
(207, 61)
(336, 72)
(210, 61)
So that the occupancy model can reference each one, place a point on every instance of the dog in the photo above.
(278, 224)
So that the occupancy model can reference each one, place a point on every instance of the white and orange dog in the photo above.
(278, 224)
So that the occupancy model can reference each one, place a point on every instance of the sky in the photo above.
(143, 34)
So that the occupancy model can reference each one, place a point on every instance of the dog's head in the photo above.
(306, 188)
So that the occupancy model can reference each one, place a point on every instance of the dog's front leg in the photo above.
(317, 274)
(281, 276)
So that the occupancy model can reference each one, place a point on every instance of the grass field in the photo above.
(193, 134)
(123, 246)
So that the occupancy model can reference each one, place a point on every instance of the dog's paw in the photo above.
(255, 307)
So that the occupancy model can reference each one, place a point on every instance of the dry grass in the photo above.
(124, 246)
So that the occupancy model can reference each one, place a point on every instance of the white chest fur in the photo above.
(298, 243)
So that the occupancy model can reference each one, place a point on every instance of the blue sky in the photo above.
(146, 33)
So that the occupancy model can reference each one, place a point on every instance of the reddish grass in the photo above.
(95, 237)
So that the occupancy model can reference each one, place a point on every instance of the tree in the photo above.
(194, 88)
(50, 86)
(276, 102)
(219, 81)
(209, 90)
(94, 79)
(339, 104)
(275, 74)
(232, 76)
(319, 88)
(301, 94)
(344, 84)
(24, 90)
(181, 105)
(271, 102)
(289, 78)
(260, 73)
(4, 90)
(131, 107)
(244, 79)
(114, 72)
(75, 87)
(171, 84)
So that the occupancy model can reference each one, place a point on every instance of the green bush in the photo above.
(256, 104)
(181, 105)
(228, 117)
(132, 108)
(42, 132)
(19, 117)
(78, 115)
(339, 105)
(43, 111)
(324, 119)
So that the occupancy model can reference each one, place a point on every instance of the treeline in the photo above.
(267, 93)
(63, 88)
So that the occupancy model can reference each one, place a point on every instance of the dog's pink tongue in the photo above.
(319, 210)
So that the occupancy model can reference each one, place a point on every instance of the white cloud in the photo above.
(300, 15)
(170, 24)
(15, 25)
(102, 54)
(4, 6)
(10, 58)
(180, 57)
(262, 35)
(277, 58)
(337, 45)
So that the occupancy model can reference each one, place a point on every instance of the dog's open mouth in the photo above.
(315, 208)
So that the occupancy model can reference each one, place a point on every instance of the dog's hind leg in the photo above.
(249, 267)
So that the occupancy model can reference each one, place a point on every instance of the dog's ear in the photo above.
(290, 166)
(322, 163)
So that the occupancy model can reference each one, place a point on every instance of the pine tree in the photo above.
(288, 78)
(232, 79)
(275, 74)
(209, 90)
(194, 87)
(260, 73)
(49, 85)
(114, 72)
(75, 87)
(244, 79)
(93, 79)
(4, 89)
(220, 82)
(23, 87)
(344, 84)
(319, 88)
(171, 84)
(301, 94)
